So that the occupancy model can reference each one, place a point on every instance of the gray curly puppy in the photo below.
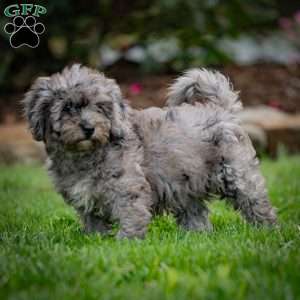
(114, 163)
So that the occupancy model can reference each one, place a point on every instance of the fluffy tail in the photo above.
(201, 85)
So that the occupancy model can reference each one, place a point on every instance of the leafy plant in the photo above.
(76, 30)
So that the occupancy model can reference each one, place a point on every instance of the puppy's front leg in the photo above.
(134, 215)
(94, 224)
(133, 210)
(195, 216)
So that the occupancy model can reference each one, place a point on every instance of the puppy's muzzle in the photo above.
(87, 129)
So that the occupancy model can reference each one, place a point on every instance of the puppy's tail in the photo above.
(201, 85)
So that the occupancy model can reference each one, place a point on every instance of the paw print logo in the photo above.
(24, 32)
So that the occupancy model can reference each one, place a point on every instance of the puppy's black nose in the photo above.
(87, 129)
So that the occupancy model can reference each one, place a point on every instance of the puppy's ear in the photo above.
(36, 107)
(117, 126)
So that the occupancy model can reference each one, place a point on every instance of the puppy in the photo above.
(114, 163)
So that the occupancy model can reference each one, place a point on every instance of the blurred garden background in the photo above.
(146, 44)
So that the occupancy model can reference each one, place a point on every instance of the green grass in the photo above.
(44, 255)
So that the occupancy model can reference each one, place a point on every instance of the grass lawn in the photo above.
(44, 255)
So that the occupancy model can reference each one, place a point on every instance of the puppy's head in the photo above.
(78, 109)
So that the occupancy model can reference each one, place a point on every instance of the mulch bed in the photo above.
(273, 85)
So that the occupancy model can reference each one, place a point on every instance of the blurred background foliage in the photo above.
(154, 36)
(145, 44)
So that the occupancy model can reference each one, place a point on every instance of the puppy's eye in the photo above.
(99, 105)
(104, 109)
(100, 108)
(67, 108)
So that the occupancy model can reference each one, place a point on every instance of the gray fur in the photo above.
(140, 163)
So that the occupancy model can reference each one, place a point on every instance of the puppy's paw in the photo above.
(121, 235)
(198, 227)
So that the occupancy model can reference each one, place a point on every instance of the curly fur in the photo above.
(140, 163)
(200, 85)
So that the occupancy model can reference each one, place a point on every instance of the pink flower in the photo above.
(135, 88)
(297, 17)
(285, 23)
(275, 104)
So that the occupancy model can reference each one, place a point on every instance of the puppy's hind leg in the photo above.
(195, 217)
(241, 181)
